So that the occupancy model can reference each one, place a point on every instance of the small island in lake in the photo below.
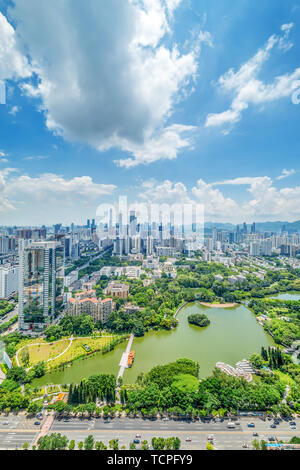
(199, 319)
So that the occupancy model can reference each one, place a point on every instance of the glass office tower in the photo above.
(41, 276)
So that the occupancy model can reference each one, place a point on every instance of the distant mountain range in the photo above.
(260, 226)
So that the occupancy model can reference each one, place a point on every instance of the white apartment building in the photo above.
(8, 280)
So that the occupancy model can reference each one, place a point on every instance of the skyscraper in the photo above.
(41, 275)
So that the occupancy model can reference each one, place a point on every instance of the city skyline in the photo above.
(203, 108)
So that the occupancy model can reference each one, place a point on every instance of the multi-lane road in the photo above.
(20, 429)
(125, 430)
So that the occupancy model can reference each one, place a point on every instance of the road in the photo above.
(125, 429)
(9, 316)
(21, 429)
(16, 439)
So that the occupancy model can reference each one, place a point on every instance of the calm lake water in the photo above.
(233, 335)
(287, 296)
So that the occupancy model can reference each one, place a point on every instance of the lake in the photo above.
(233, 335)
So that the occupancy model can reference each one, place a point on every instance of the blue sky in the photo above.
(159, 100)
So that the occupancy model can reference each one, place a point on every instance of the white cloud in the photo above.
(216, 205)
(284, 42)
(13, 64)
(116, 87)
(285, 174)
(164, 193)
(261, 201)
(162, 145)
(37, 157)
(248, 89)
(14, 110)
(43, 195)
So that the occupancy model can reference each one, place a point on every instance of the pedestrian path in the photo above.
(124, 359)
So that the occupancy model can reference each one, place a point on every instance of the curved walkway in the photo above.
(55, 342)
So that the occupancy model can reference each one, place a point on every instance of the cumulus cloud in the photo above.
(165, 192)
(248, 89)
(260, 201)
(110, 80)
(13, 63)
(164, 144)
(42, 195)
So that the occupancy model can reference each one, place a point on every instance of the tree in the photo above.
(17, 374)
(89, 443)
(26, 446)
(100, 446)
(114, 444)
(256, 444)
(72, 445)
(257, 361)
(209, 446)
(80, 445)
(176, 443)
(145, 445)
(24, 356)
(158, 443)
(199, 320)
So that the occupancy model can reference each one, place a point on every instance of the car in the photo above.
(136, 441)
(188, 439)
(245, 446)
(165, 419)
(271, 438)
(138, 436)
(210, 437)
(251, 425)
(255, 434)
(293, 427)
(106, 421)
(273, 426)
(5, 423)
(292, 423)
(37, 423)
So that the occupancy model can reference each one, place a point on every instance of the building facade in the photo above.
(41, 283)
(86, 303)
(8, 280)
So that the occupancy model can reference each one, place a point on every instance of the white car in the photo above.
(165, 419)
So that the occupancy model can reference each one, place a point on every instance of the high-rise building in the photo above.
(41, 275)
(8, 280)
